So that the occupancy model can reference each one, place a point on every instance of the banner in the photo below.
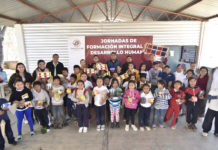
(76, 48)
(122, 45)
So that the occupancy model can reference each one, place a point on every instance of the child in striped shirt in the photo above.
(114, 100)
(161, 96)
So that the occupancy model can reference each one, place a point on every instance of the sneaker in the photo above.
(117, 124)
(80, 130)
(127, 128)
(32, 133)
(48, 130)
(65, 124)
(60, 126)
(162, 126)
(55, 126)
(173, 127)
(112, 125)
(25, 121)
(142, 129)
(13, 143)
(188, 126)
(19, 137)
(134, 127)
(102, 127)
(148, 128)
(98, 127)
(194, 128)
(85, 129)
(204, 134)
(154, 126)
(216, 134)
(43, 130)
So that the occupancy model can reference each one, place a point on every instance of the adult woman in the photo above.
(20, 74)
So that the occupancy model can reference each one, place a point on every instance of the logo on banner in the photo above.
(76, 43)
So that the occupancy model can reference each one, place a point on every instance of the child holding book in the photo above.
(146, 101)
(131, 98)
(80, 96)
(100, 93)
(162, 96)
(41, 102)
(115, 102)
(22, 97)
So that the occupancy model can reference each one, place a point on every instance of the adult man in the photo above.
(55, 66)
(113, 63)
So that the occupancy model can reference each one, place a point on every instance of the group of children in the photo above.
(166, 94)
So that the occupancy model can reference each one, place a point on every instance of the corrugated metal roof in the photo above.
(17, 10)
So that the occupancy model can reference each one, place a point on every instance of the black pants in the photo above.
(108, 114)
(100, 115)
(192, 113)
(208, 120)
(144, 116)
(8, 133)
(202, 104)
(42, 115)
(83, 115)
(130, 113)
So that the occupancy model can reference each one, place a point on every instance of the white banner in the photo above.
(76, 48)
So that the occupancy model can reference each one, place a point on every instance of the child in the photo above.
(192, 98)
(57, 94)
(167, 76)
(8, 131)
(81, 98)
(119, 70)
(132, 70)
(212, 112)
(142, 70)
(100, 92)
(41, 102)
(189, 73)
(76, 69)
(153, 75)
(131, 77)
(131, 99)
(162, 96)
(65, 78)
(22, 97)
(146, 101)
(71, 109)
(178, 98)
(179, 74)
(115, 100)
(142, 81)
(107, 82)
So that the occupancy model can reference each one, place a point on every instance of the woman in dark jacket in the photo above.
(20, 74)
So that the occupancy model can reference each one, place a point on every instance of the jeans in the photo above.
(58, 110)
(100, 114)
(144, 116)
(162, 113)
(20, 115)
(83, 115)
(71, 108)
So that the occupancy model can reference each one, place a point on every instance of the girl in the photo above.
(21, 74)
(153, 75)
(178, 98)
(146, 101)
(179, 74)
(114, 100)
(41, 68)
(100, 96)
(119, 70)
(57, 94)
(131, 99)
(22, 97)
(142, 70)
(202, 83)
(81, 98)
(142, 81)
(161, 96)
(189, 73)
(131, 77)
(192, 97)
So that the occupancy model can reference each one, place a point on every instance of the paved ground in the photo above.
(115, 139)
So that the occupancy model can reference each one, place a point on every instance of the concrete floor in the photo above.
(115, 139)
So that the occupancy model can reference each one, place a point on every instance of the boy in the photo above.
(142, 81)
(8, 131)
(41, 102)
(132, 70)
(65, 79)
(167, 76)
(76, 69)
(153, 74)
